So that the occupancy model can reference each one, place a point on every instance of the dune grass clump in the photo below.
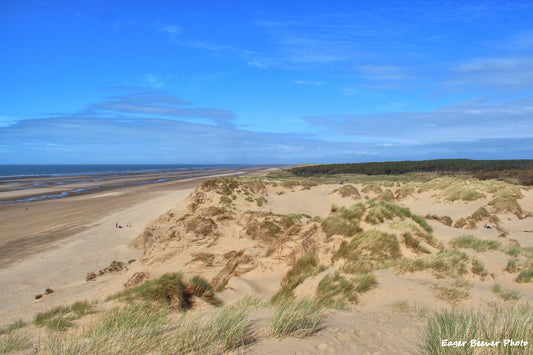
(348, 191)
(506, 295)
(296, 317)
(447, 262)
(413, 243)
(13, 342)
(371, 245)
(525, 276)
(511, 266)
(200, 287)
(169, 290)
(478, 268)
(338, 290)
(379, 211)
(507, 205)
(386, 195)
(344, 221)
(172, 291)
(371, 187)
(509, 322)
(305, 267)
(132, 316)
(60, 318)
(464, 190)
(200, 333)
(406, 190)
(471, 242)
(451, 294)
(13, 326)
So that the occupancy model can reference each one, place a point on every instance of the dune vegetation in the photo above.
(338, 249)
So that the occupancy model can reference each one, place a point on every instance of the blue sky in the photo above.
(94, 81)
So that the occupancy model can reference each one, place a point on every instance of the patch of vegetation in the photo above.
(507, 205)
(225, 200)
(260, 201)
(61, 317)
(300, 317)
(508, 322)
(414, 243)
(406, 190)
(13, 342)
(336, 291)
(452, 263)
(386, 195)
(271, 227)
(374, 188)
(511, 266)
(506, 295)
(471, 242)
(371, 245)
(525, 276)
(133, 316)
(249, 199)
(170, 290)
(13, 326)
(305, 267)
(478, 268)
(451, 294)
(344, 221)
(348, 191)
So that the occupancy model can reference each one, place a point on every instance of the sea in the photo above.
(94, 178)
(10, 171)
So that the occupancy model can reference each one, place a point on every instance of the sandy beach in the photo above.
(54, 243)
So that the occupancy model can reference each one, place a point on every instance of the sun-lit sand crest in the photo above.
(346, 264)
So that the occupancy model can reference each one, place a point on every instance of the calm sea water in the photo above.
(64, 170)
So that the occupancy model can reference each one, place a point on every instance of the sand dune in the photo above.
(361, 246)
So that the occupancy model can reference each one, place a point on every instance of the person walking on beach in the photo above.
(116, 224)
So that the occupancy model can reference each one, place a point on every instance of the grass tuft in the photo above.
(493, 324)
(13, 342)
(305, 267)
(506, 295)
(471, 242)
(299, 318)
(525, 276)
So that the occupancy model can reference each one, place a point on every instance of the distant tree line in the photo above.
(513, 168)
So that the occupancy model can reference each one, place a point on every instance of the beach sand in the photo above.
(56, 242)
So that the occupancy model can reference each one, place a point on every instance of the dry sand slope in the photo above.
(384, 251)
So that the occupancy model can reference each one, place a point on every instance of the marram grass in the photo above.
(495, 324)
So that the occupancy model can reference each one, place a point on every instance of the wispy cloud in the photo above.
(495, 73)
(465, 121)
(309, 82)
(158, 106)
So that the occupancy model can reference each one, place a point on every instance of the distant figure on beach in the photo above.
(26, 208)
(116, 224)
